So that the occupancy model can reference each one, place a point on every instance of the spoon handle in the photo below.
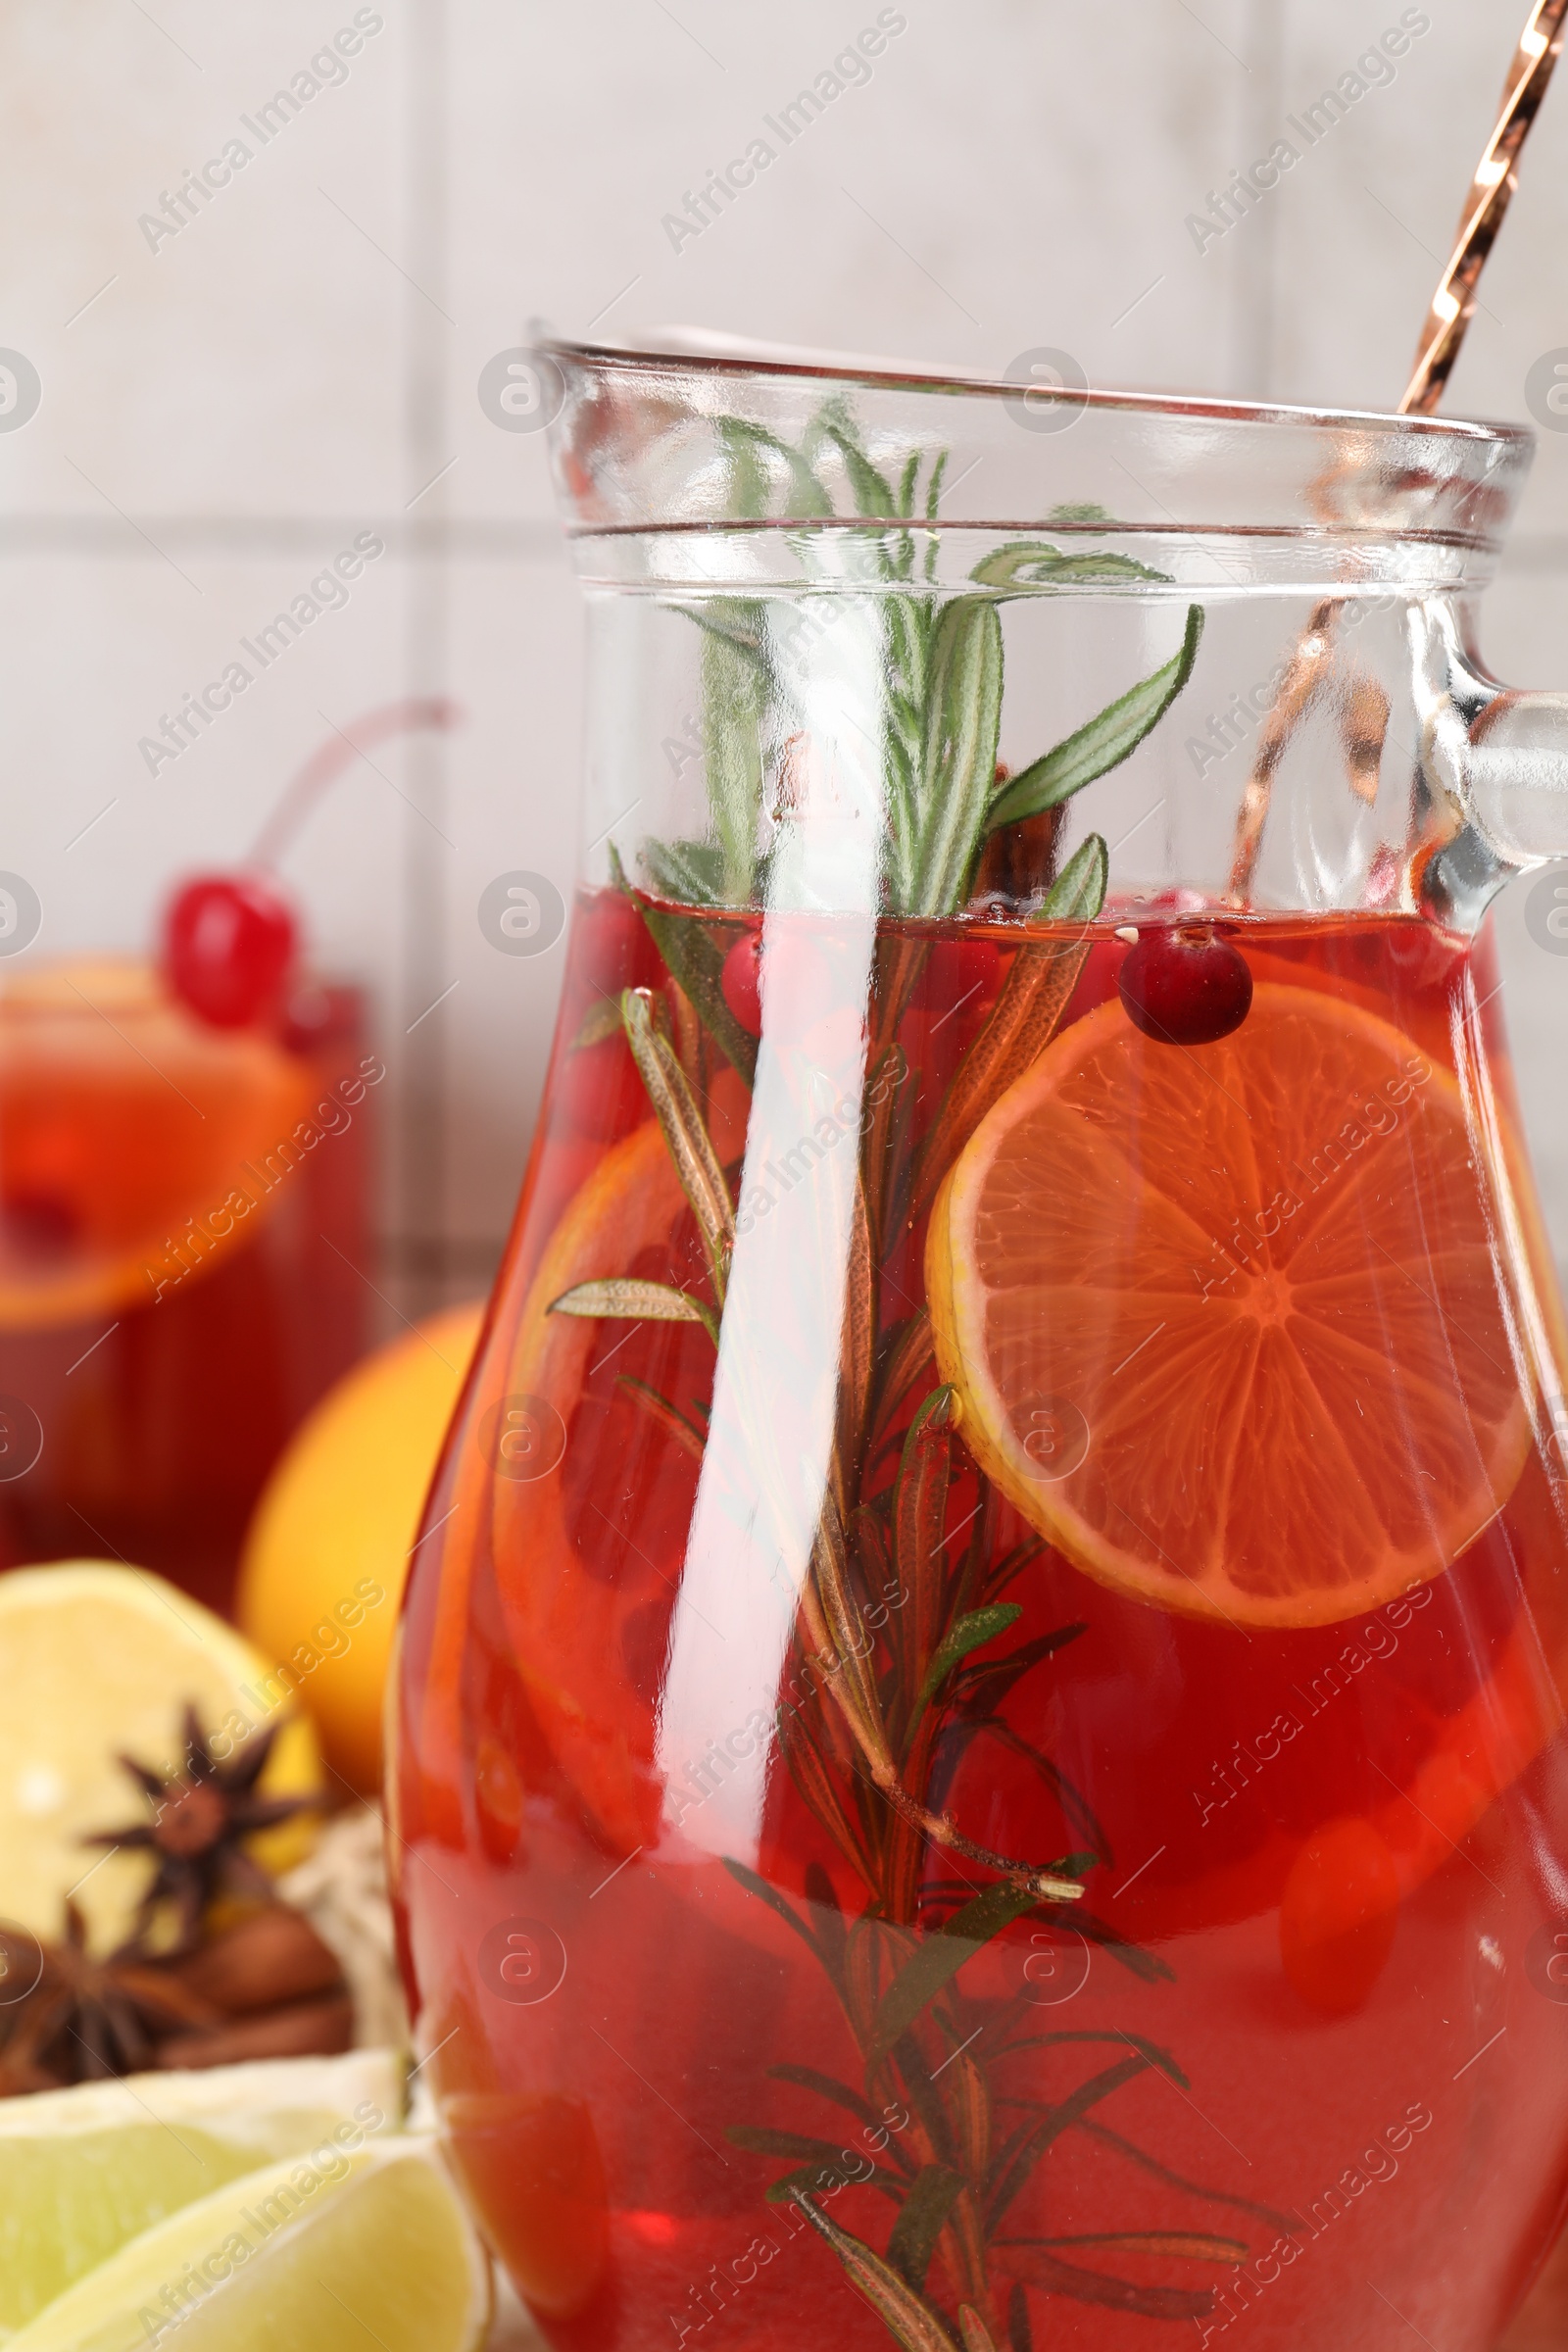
(1496, 177)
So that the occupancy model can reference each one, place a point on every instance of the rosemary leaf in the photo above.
(1102, 2132)
(1058, 2277)
(853, 1682)
(1079, 891)
(691, 951)
(749, 472)
(735, 618)
(1152, 2050)
(939, 1958)
(914, 2323)
(826, 2087)
(831, 1932)
(987, 1682)
(691, 872)
(933, 500)
(1036, 563)
(906, 648)
(691, 1148)
(908, 1352)
(959, 761)
(764, 1894)
(924, 2094)
(819, 1791)
(1019, 2161)
(599, 1021)
(919, 1513)
(872, 492)
(634, 1302)
(1012, 1564)
(977, 2336)
(671, 1419)
(1100, 746)
(921, 2221)
(1079, 1815)
(966, 1634)
(857, 1344)
(1183, 2245)
(735, 697)
(970, 2098)
(806, 494)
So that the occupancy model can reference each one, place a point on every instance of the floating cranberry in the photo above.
(742, 982)
(1185, 987)
(229, 942)
(612, 946)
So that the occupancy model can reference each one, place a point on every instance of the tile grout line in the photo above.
(420, 1183)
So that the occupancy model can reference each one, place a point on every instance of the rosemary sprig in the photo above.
(942, 665)
(887, 1696)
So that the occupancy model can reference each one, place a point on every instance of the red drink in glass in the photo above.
(182, 1239)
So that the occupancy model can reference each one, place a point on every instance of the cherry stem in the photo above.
(328, 760)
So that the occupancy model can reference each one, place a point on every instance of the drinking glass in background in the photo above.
(182, 1244)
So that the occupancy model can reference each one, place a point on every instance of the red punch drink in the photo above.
(181, 1237)
(1103, 1882)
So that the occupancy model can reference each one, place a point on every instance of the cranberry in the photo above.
(612, 948)
(1185, 987)
(742, 982)
(229, 942)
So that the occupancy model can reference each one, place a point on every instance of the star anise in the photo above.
(81, 2019)
(202, 1815)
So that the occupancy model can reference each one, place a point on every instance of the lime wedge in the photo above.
(313, 2254)
(82, 2172)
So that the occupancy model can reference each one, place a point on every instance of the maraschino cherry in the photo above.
(1185, 987)
(230, 940)
(228, 947)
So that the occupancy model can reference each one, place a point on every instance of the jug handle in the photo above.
(1493, 761)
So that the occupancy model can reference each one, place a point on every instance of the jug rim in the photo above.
(785, 451)
(736, 355)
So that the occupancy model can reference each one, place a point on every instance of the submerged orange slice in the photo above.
(1224, 1320)
(565, 1624)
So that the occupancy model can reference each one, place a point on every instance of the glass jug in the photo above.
(980, 1725)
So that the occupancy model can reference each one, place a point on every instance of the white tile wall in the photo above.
(223, 413)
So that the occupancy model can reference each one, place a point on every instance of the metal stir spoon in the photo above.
(1452, 310)
(1496, 177)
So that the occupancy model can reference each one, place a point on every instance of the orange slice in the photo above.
(137, 1147)
(564, 1624)
(1224, 1321)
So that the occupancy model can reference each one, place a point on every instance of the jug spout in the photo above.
(1493, 766)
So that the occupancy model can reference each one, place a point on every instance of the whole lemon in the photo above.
(327, 1553)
